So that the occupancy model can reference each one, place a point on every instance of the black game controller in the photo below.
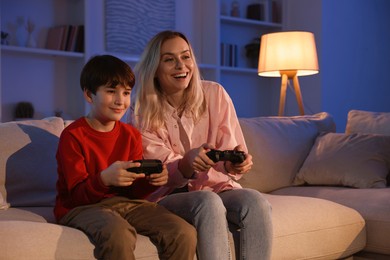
(148, 166)
(227, 155)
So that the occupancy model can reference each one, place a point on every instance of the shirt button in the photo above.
(175, 126)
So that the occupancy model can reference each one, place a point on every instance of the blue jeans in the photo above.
(245, 211)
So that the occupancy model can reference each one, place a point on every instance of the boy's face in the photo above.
(109, 104)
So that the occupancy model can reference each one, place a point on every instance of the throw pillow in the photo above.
(355, 160)
(368, 122)
(279, 146)
(28, 168)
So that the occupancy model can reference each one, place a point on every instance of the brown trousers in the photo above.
(113, 224)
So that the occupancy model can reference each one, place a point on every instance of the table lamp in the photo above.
(288, 55)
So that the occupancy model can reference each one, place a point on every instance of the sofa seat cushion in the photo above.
(31, 240)
(311, 228)
(372, 204)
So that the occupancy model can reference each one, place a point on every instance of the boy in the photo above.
(95, 192)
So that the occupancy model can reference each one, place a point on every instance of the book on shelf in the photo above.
(229, 55)
(71, 41)
(54, 37)
(66, 38)
(70, 38)
(79, 45)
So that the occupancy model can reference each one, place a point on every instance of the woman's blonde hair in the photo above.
(148, 101)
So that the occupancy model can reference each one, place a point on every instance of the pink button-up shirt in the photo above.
(219, 126)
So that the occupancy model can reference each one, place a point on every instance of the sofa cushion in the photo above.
(21, 215)
(354, 160)
(34, 240)
(372, 204)
(28, 169)
(368, 122)
(279, 146)
(311, 228)
(3, 203)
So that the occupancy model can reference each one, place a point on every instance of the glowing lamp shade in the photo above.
(288, 55)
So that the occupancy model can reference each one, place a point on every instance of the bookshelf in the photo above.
(49, 79)
(217, 28)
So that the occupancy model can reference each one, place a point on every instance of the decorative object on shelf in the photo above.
(130, 24)
(30, 38)
(58, 112)
(288, 55)
(24, 110)
(255, 11)
(224, 7)
(235, 9)
(252, 52)
(4, 38)
(276, 11)
(21, 33)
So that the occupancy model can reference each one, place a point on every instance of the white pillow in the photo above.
(368, 122)
(279, 146)
(3, 203)
(28, 168)
(355, 160)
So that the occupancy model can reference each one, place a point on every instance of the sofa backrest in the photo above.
(279, 146)
(28, 171)
(28, 168)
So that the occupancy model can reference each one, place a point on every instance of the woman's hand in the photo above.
(201, 162)
(239, 168)
(196, 160)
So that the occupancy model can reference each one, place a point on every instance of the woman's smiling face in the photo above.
(175, 69)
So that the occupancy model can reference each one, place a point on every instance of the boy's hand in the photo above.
(117, 175)
(159, 179)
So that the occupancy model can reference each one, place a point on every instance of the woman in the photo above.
(181, 118)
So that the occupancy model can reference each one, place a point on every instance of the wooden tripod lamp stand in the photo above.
(288, 55)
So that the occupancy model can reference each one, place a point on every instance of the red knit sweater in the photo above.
(83, 153)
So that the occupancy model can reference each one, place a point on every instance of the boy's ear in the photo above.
(88, 96)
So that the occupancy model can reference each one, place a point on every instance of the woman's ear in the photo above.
(88, 95)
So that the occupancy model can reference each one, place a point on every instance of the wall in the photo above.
(306, 15)
(356, 57)
(352, 39)
(352, 42)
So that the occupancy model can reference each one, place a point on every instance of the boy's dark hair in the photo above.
(105, 70)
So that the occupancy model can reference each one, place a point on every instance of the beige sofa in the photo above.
(312, 220)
